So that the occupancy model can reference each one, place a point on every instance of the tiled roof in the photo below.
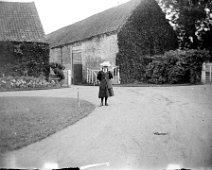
(20, 22)
(105, 22)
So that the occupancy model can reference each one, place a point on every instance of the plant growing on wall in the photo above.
(145, 33)
(23, 58)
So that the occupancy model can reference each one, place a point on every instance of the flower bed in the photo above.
(26, 83)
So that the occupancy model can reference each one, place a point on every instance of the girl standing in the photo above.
(105, 87)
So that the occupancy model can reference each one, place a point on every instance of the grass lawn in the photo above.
(24, 120)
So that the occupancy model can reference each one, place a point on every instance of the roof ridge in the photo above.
(90, 16)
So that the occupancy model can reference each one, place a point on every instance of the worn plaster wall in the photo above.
(93, 52)
(55, 55)
(66, 57)
(97, 50)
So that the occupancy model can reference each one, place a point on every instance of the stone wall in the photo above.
(66, 59)
(55, 55)
(93, 52)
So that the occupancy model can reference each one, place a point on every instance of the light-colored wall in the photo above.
(99, 49)
(55, 55)
(93, 51)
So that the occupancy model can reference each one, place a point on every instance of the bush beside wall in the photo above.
(180, 66)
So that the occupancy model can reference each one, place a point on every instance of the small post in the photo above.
(87, 75)
(210, 72)
(78, 97)
(92, 76)
(118, 75)
(69, 78)
(203, 75)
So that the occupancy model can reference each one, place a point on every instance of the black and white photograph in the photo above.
(106, 84)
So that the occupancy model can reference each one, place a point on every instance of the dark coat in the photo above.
(105, 86)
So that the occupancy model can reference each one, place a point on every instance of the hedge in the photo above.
(180, 66)
(146, 33)
(24, 58)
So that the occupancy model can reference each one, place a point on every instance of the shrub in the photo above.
(57, 65)
(156, 72)
(57, 68)
(180, 66)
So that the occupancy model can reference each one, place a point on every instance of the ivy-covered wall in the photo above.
(145, 33)
(22, 58)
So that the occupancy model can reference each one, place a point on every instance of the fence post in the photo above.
(78, 97)
(69, 77)
(118, 75)
(89, 78)
(92, 76)
(203, 76)
(210, 72)
(87, 75)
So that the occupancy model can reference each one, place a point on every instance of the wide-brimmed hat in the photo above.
(105, 64)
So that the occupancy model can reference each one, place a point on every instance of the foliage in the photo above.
(192, 20)
(25, 82)
(180, 66)
(145, 33)
(20, 59)
(58, 70)
(57, 65)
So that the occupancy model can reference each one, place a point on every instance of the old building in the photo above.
(22, 37)
(120, 34)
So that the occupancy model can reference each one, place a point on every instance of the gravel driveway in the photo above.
(143, 128)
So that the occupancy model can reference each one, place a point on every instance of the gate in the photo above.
(206, 77)
(92, 75)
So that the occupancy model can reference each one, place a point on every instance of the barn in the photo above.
(124, 35)
(22, 39)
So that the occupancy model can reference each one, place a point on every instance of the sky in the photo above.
(55, 14)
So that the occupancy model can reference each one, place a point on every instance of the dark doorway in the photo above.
(77, 68)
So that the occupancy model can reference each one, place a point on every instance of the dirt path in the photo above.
(143, 128)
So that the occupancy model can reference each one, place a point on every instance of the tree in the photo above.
(192, 20)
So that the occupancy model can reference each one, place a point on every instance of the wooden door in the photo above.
(77, 68)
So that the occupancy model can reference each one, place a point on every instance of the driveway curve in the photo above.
(142, 128)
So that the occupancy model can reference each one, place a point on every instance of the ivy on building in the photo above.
(24, 58)
(146, 33)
